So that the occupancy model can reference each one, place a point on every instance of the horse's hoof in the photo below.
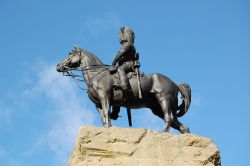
(107, 125)
(184, 130)
(165, 130)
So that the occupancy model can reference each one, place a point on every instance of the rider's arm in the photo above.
(121, 53)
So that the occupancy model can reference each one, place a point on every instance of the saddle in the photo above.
(117, 77)
(118, 93)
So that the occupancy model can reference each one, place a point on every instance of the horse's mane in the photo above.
(92, 56)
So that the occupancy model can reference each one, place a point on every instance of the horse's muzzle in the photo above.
(59, 68)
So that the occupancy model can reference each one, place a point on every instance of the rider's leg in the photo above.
(123, 76)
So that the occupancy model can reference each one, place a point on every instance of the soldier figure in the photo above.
(126, 57)
(127, 60)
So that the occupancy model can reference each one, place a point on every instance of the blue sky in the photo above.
(205, 43)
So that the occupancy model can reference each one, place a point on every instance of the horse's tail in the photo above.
(185, 90)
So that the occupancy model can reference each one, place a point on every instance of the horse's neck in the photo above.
(92, 66)
(93, 72)
(91, 59)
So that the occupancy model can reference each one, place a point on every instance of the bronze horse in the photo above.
(159, 93)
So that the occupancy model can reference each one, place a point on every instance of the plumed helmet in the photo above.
(126, 35)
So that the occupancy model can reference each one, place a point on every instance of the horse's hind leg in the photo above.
(167, 113)
(176, 124)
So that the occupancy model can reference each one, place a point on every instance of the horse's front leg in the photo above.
(104, 98)
(101, 112)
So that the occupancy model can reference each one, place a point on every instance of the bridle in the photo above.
(79, 78)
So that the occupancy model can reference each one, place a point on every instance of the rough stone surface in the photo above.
(141, 147)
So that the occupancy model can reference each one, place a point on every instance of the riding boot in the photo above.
(115, 112)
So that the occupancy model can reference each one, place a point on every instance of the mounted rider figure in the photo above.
(127, 58)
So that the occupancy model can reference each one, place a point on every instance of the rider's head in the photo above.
(126, 35)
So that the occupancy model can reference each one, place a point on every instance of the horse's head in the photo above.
(72, 62)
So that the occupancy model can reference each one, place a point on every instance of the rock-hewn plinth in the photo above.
(141, 147)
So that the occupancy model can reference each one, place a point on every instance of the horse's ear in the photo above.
(75, 47)
(122, 28)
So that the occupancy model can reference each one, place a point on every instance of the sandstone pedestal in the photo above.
(141, 147)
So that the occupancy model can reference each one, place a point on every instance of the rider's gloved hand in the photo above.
(112, 69)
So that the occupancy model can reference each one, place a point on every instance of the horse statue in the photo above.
(159, 93)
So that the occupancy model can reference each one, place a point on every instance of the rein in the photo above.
(76, 77)
(85, 68)
(79, 78)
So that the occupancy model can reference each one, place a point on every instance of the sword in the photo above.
(138, 82)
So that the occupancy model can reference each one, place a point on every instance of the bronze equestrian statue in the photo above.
(159, 93)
